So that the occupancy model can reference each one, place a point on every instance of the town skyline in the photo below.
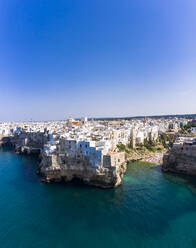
(186, 115)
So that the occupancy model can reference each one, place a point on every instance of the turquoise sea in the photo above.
(150, 209)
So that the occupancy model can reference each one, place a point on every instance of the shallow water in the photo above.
(150, 209)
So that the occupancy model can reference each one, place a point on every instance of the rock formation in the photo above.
(181, 159)
(54, 169)
(60, 166)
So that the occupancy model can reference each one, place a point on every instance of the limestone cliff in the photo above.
(55, 169)
(177, 162)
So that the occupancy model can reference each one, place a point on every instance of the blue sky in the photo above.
(96, 58)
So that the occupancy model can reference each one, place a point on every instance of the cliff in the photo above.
(179, 162)
(55, 169)
(60, 166)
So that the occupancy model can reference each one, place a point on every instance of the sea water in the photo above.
(150, 209)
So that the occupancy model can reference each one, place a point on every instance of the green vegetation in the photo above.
(163, 142)
(122, 148)
(130, 146)
(144, 149)
(150, 145)
(189, 125)
(183, 131)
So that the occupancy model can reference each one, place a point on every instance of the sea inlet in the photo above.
(150, 209)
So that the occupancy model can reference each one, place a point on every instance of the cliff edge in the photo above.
(181, 158)
(55, 168)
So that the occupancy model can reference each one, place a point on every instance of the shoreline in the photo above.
(154, 158)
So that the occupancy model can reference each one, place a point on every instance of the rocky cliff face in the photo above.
(52, 170)
(58, 167)
(179, 163)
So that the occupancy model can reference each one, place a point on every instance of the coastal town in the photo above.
(96, 151)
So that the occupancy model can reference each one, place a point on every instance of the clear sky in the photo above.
(96, 58)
